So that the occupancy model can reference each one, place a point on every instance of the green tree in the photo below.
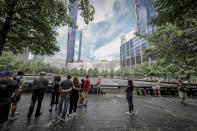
(90, 72)
(31, 24)
(95, 72)
(74, 72)
(174, 40)
(112, 73)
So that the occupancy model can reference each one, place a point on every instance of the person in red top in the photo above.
(86, 90)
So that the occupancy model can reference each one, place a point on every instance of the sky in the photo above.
(101, 37)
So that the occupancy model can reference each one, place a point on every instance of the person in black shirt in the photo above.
(39, 85)
(55, 92)
(15, 100)
(129, 96)
(74, 96)
(7, 87)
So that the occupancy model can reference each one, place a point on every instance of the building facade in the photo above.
(131, 52)
(80, 44)
(144, 12)
(55, 61)
(104, 65)
(72, 32)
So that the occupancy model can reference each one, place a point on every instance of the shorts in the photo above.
(80, 93)
(85, 94)
(158, 87)
(182, 94)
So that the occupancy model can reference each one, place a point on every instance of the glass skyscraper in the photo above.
(144, 12)
(80, 44)
(131, 52)
(72, 32)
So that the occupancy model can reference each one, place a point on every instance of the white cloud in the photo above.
(111, 50)
(130, 35)
(101, 12)
(105, 26)
(108, 51)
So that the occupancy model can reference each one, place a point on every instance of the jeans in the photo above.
(63, 100)
(73, 103)
(38, 94)
(130, 101)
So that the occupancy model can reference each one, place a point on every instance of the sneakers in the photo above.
(13, 118)
(74, 114)
(85, 105)
(50, 110)
(128, 113)
(70, 115)
(57, 117)
(62, 119)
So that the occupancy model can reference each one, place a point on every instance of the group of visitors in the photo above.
(70, 92)
(67, 92)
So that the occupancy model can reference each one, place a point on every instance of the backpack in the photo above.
(56, 86)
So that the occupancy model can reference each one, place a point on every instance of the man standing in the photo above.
(65, 89)
(7, 87)
(15, 100)
(86, 90)
(39, 85)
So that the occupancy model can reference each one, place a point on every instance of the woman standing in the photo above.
(99, 90)
(74, 96)
(158, 87)
(181, 91)
(55, 92)
(129, 96)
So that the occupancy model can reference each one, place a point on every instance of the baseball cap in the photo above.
(4, 73)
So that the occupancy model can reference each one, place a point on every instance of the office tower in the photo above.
(131, 51)
(144, 12)
(72, 32)
(80, 44)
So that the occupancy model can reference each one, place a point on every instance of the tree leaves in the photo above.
(31, 24)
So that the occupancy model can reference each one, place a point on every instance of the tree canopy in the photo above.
(31, 24)
(174, 39)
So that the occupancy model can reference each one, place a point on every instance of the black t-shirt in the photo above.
(56, 85)
(7, 87)
(75, 92)
(129, 90)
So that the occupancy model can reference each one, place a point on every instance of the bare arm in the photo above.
(75, 88)
(124, 89)
(64, 91)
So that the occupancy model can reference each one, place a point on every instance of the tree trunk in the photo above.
(6, 26)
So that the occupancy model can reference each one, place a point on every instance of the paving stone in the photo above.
(107, 113)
